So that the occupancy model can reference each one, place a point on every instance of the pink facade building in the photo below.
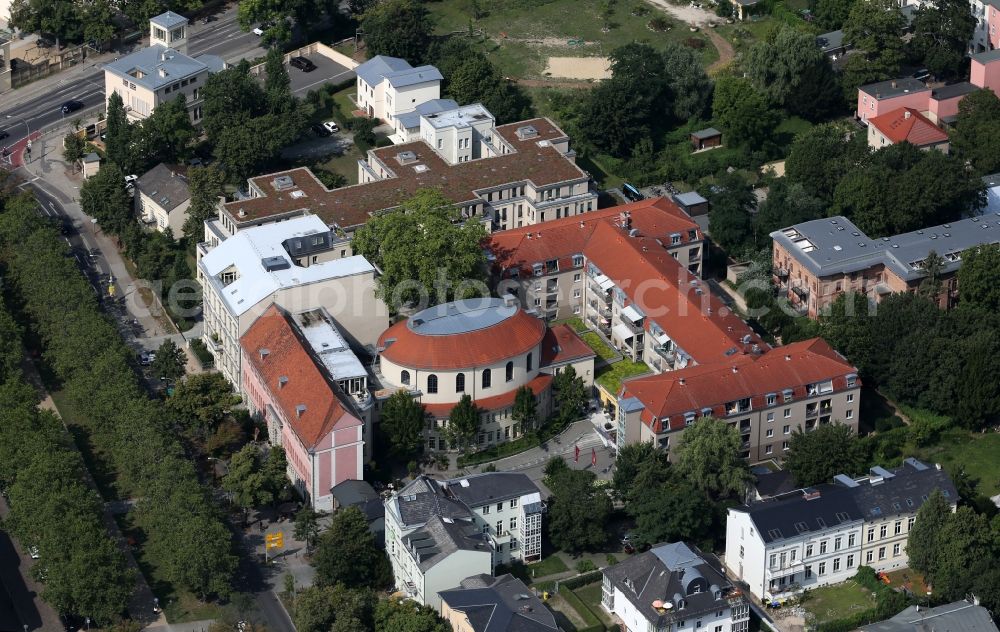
(304, 395)
(878, 98)
(985, 70)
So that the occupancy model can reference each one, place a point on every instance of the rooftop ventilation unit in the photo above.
(272, 264)
(526, 132)
(406, 157)
(283, 182)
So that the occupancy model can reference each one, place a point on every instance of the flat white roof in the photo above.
(459, 117)
(247, 250)
(322, 334)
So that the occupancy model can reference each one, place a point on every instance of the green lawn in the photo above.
(611, 377)
(600, 347)
(519, 38)
(836, 602)
(549, 566)
(975, 452)
(590, 595)
(575, 323)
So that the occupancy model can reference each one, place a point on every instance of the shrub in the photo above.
(659, 24)
(585, 566)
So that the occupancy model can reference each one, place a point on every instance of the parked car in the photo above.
(3, 134)
(922, 74)
(262, 28)
(208, 18)
(331, 126)
(320, 130)
(302, 63)
(44, 42)
(71, 106)
(130, 180)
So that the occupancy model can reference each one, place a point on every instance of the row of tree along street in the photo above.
(54, 514)
(132, 437)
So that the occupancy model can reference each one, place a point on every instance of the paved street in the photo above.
(36, 106)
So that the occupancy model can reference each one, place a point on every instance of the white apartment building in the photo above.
(673, 587)
(467, 525)
(388, 87)
(292, 264)
(820, 535)
(162, 198)
(162, 71)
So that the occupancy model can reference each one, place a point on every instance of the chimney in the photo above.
(788, 358)
(282, 381)
(906, 114)
(581, 224)
(735, 370)
(299, 410)
(263, 353)
(810, 493)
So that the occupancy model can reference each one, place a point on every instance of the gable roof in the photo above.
(562, 345)
(308, 401)
(521, 248)
(490, 487)
(909, 125)
(166, 186)
(679, 303)
(501, 604)
(671, 395)
(373, 70)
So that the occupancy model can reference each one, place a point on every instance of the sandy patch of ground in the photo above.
(686, 13)
(579, 67)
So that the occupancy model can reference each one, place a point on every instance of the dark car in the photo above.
(922, 75)
(303, 64)
(319, 130)
(208, 18)
(71, 106)
(3, 134)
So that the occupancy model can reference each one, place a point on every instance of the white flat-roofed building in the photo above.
(291, 264)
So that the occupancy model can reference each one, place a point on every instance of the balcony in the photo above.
(781, 273)
(600, 308)
(636, 330)
(737, 407)
(812, 412)
(801, 292)
(667, 353)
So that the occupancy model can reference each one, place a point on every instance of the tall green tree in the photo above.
(577, 511)
(941, 33)
(730, 222)
(463, 423)
(103, 197)
(402, 422)
(669, 512)
(307, 525)
(165, 135)
(424, 252)
(979, 278)
(202, 401)
(277, 84)
(708, 456)
(631, 460)
(118, 139)
(817, 456)
(742, 112)
(820, 156)
(205, 187)
(787, 203)
(524, 411)
(334, 608)
(74, 147)
(570, 394)
(875, 28)
(831, 14)
(169, 362)
(347, 554)
(403, 615)
(59, 18)
(976, 137)
(399, 28)
(792, 72)
(924, 545)
(246, 480)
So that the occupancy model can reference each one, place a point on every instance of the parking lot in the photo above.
(327, 71)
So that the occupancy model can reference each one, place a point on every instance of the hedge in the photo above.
(591, 620)
(582, 580)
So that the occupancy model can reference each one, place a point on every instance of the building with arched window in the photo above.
(464, 348)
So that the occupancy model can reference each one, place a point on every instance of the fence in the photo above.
(317, 48)
(24, 73)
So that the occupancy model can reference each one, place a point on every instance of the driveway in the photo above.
(327, 72)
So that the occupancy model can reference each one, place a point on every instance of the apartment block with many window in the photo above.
(766, 396)
(545, 265)
(506, 176)
(821, 535)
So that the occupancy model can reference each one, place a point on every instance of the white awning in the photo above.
(604, 282)
(632, 314)
(621, 331)
(662, 338)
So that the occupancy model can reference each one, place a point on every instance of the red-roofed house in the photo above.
(311, 396)
(906, 125)
(544, 264)
(766, 396)
(484, 348)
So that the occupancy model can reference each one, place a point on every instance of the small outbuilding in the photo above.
(706, 139)
(691, 203)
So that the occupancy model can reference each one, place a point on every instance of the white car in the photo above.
(33, 552)
(130, 180)
(259, 31)
(331, 126)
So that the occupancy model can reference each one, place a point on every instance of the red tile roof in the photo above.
(352, 205)
(679, 302)
(561, 345)
(668, 396)
(562, 238)
(907, 124)
(497, 402)
(508, 338)
(287, 356)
